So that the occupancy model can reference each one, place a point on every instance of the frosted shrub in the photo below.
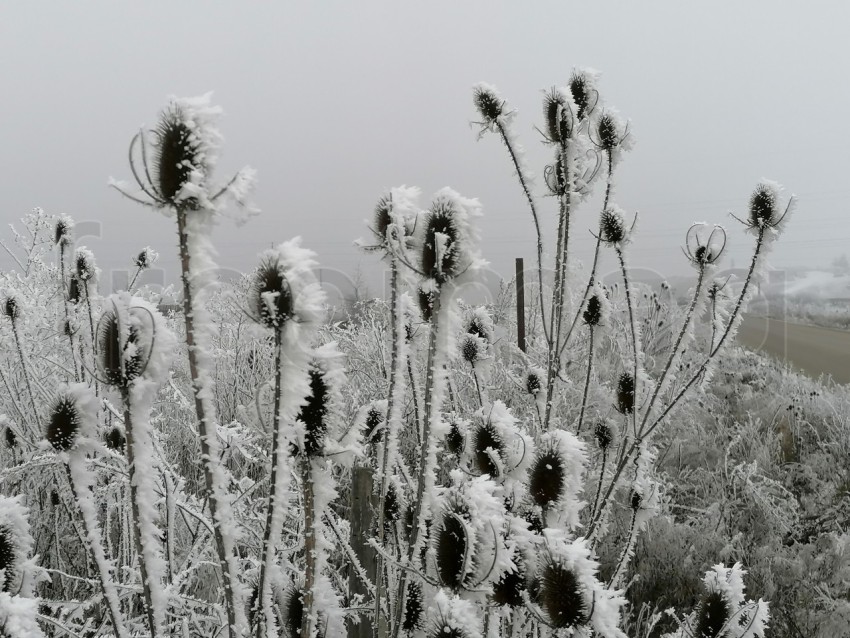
(245, 468)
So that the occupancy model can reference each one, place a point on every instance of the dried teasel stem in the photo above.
(586, 381)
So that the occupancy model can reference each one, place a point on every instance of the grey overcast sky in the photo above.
(333, 102)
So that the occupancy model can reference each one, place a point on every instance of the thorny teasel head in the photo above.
(10, 438)
(115, 439)
(561, 594)
(440, 259)
(489, 104)
(480, 324)
(610, 132)
(456, 436)
(74, 294)
(122, 357)
(314, 412)
(625, 393)
(473, 349)
(452, 549)
(85, 268)
(547, 478)
(374, 422)
(508, 590)
(270, 294)
(558, 111)
(582, 88)
(426, 300)
(292, 611)
(72, 415)
(765, 209)
(592, 315)
(11, 306)
(488, 449)
(63, 231)
(534, 381)
(453, 617)
(146, 258)
(703, 248)
(612, 226)
(603, 434)
(712, 614)
(414, 608)
(8, 556)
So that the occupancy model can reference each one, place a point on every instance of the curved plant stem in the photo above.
(586, 382)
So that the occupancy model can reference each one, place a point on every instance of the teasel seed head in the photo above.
(414, 608)
(293, 611)
(8, 556)
(392, 505)
(561, 596)
(178, 153)
(74, 294)
(383, 218)
(439, 256)
(533, 382)
(488, 103)
(558, 115)
(54, 498)
(146, 258)
(470, 349)
(625, 393)
(580, 88)
(487, 443)
(612, 226)
(11, 307)
(63, 430)
(546, 478)
(115, 439)
(451, 544)
(603, 433)
(454, 439)
(592, 314)
(313, 413)
(635, 500)
(63, 231)
(507, 592)
(120, 357)
(764, 206)
(372, 426)
(10, 437)
(84, 267)
(713, 612)
(271, 295)
(608, 132)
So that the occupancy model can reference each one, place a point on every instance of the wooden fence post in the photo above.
(520, 304)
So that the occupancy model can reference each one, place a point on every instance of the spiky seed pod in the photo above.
(608, 132)
(271, 295)
(54, 498)
(414, 608)
(373, 432)
(11, 307)
(764, 206)
(74, 294)
(8, 556)
(177, 153)
(635, 500)
(604, 434)
(392, 505)
(11, 438)
(313, 413)
(626, 393)
(580, 90)
(117, 368)
(293, 612)
(546, 478)
(454, 439)
(713, 612)
(508, 591)
(558, 116)
(535, 523)
(488, 104)
(612, 226)
(146, 258)
(487, 443)
(382, 218)
(115, 439)
(477, 328)
(469, 349)
(64, 426)
(84, 266)
(592, 314)
(533, 382)
(439, 256)
(66, 328)
(561, 596)
(426, 305)
(451, 545)
(63, 231)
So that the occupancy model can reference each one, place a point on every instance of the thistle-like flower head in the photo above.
(63, 232)
(72, 416)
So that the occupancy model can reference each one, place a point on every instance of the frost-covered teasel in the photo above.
(449, 238)
(613, 229)
(703, 248)
(146, 258)
(556, 477)
(63, 231)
